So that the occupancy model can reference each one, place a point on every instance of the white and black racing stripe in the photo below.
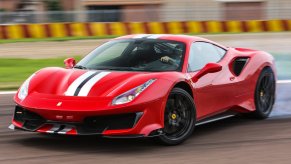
(156, 36)
(142, 36)
(60, 129)
(88, 86)
(65, 130)
(54, 128)
(72, 88)
(148, 36)
(83, 84)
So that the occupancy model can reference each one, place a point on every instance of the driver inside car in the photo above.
(174, 58)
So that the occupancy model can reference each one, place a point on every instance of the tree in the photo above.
(53, 5)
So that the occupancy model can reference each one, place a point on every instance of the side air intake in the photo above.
(239, 64)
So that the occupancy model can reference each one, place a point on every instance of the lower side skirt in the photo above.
(218, 117)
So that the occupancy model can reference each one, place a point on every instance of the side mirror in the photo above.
(208, 68)
(69, 63)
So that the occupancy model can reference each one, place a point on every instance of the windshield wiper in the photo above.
(80, 67)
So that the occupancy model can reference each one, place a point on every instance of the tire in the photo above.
(179, 118)
(265, 94)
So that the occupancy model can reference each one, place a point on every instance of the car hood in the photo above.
(88, 83)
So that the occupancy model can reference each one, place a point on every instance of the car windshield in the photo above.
(136, 55)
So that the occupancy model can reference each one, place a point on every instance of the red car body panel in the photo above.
(213, 93)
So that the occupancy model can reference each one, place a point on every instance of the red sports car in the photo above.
(159, 86)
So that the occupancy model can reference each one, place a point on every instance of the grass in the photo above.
(2, 41)
(14, 71)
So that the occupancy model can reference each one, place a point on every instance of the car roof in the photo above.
(160, 36)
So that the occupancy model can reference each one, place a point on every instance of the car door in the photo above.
(213, 92)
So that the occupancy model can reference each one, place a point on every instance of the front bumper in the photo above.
(137, 121)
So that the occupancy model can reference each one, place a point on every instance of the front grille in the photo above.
(91, 125)
(112, 122)
(30, 120)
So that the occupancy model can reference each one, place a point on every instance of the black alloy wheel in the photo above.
(265, 93)
(179, 118)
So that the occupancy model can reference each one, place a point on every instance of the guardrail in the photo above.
(48, 30)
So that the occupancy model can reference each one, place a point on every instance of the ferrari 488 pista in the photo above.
(159, 86)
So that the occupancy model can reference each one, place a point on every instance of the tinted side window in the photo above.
(220, 51)
(202, 53)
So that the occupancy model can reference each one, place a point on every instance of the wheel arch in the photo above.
(185, 86)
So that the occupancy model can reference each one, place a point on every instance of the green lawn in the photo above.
(54, 39)
(14, 71)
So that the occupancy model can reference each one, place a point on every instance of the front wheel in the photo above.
(265, 94)
(179, 118)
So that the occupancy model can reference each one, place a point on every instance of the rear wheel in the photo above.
(265, 94)
(179, 118)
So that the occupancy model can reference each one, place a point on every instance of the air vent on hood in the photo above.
(239, 64)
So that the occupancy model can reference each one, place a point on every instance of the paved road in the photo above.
(235, 140)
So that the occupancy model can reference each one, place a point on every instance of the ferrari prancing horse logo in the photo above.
(59, 103)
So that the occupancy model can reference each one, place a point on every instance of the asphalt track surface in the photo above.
(233, 140)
